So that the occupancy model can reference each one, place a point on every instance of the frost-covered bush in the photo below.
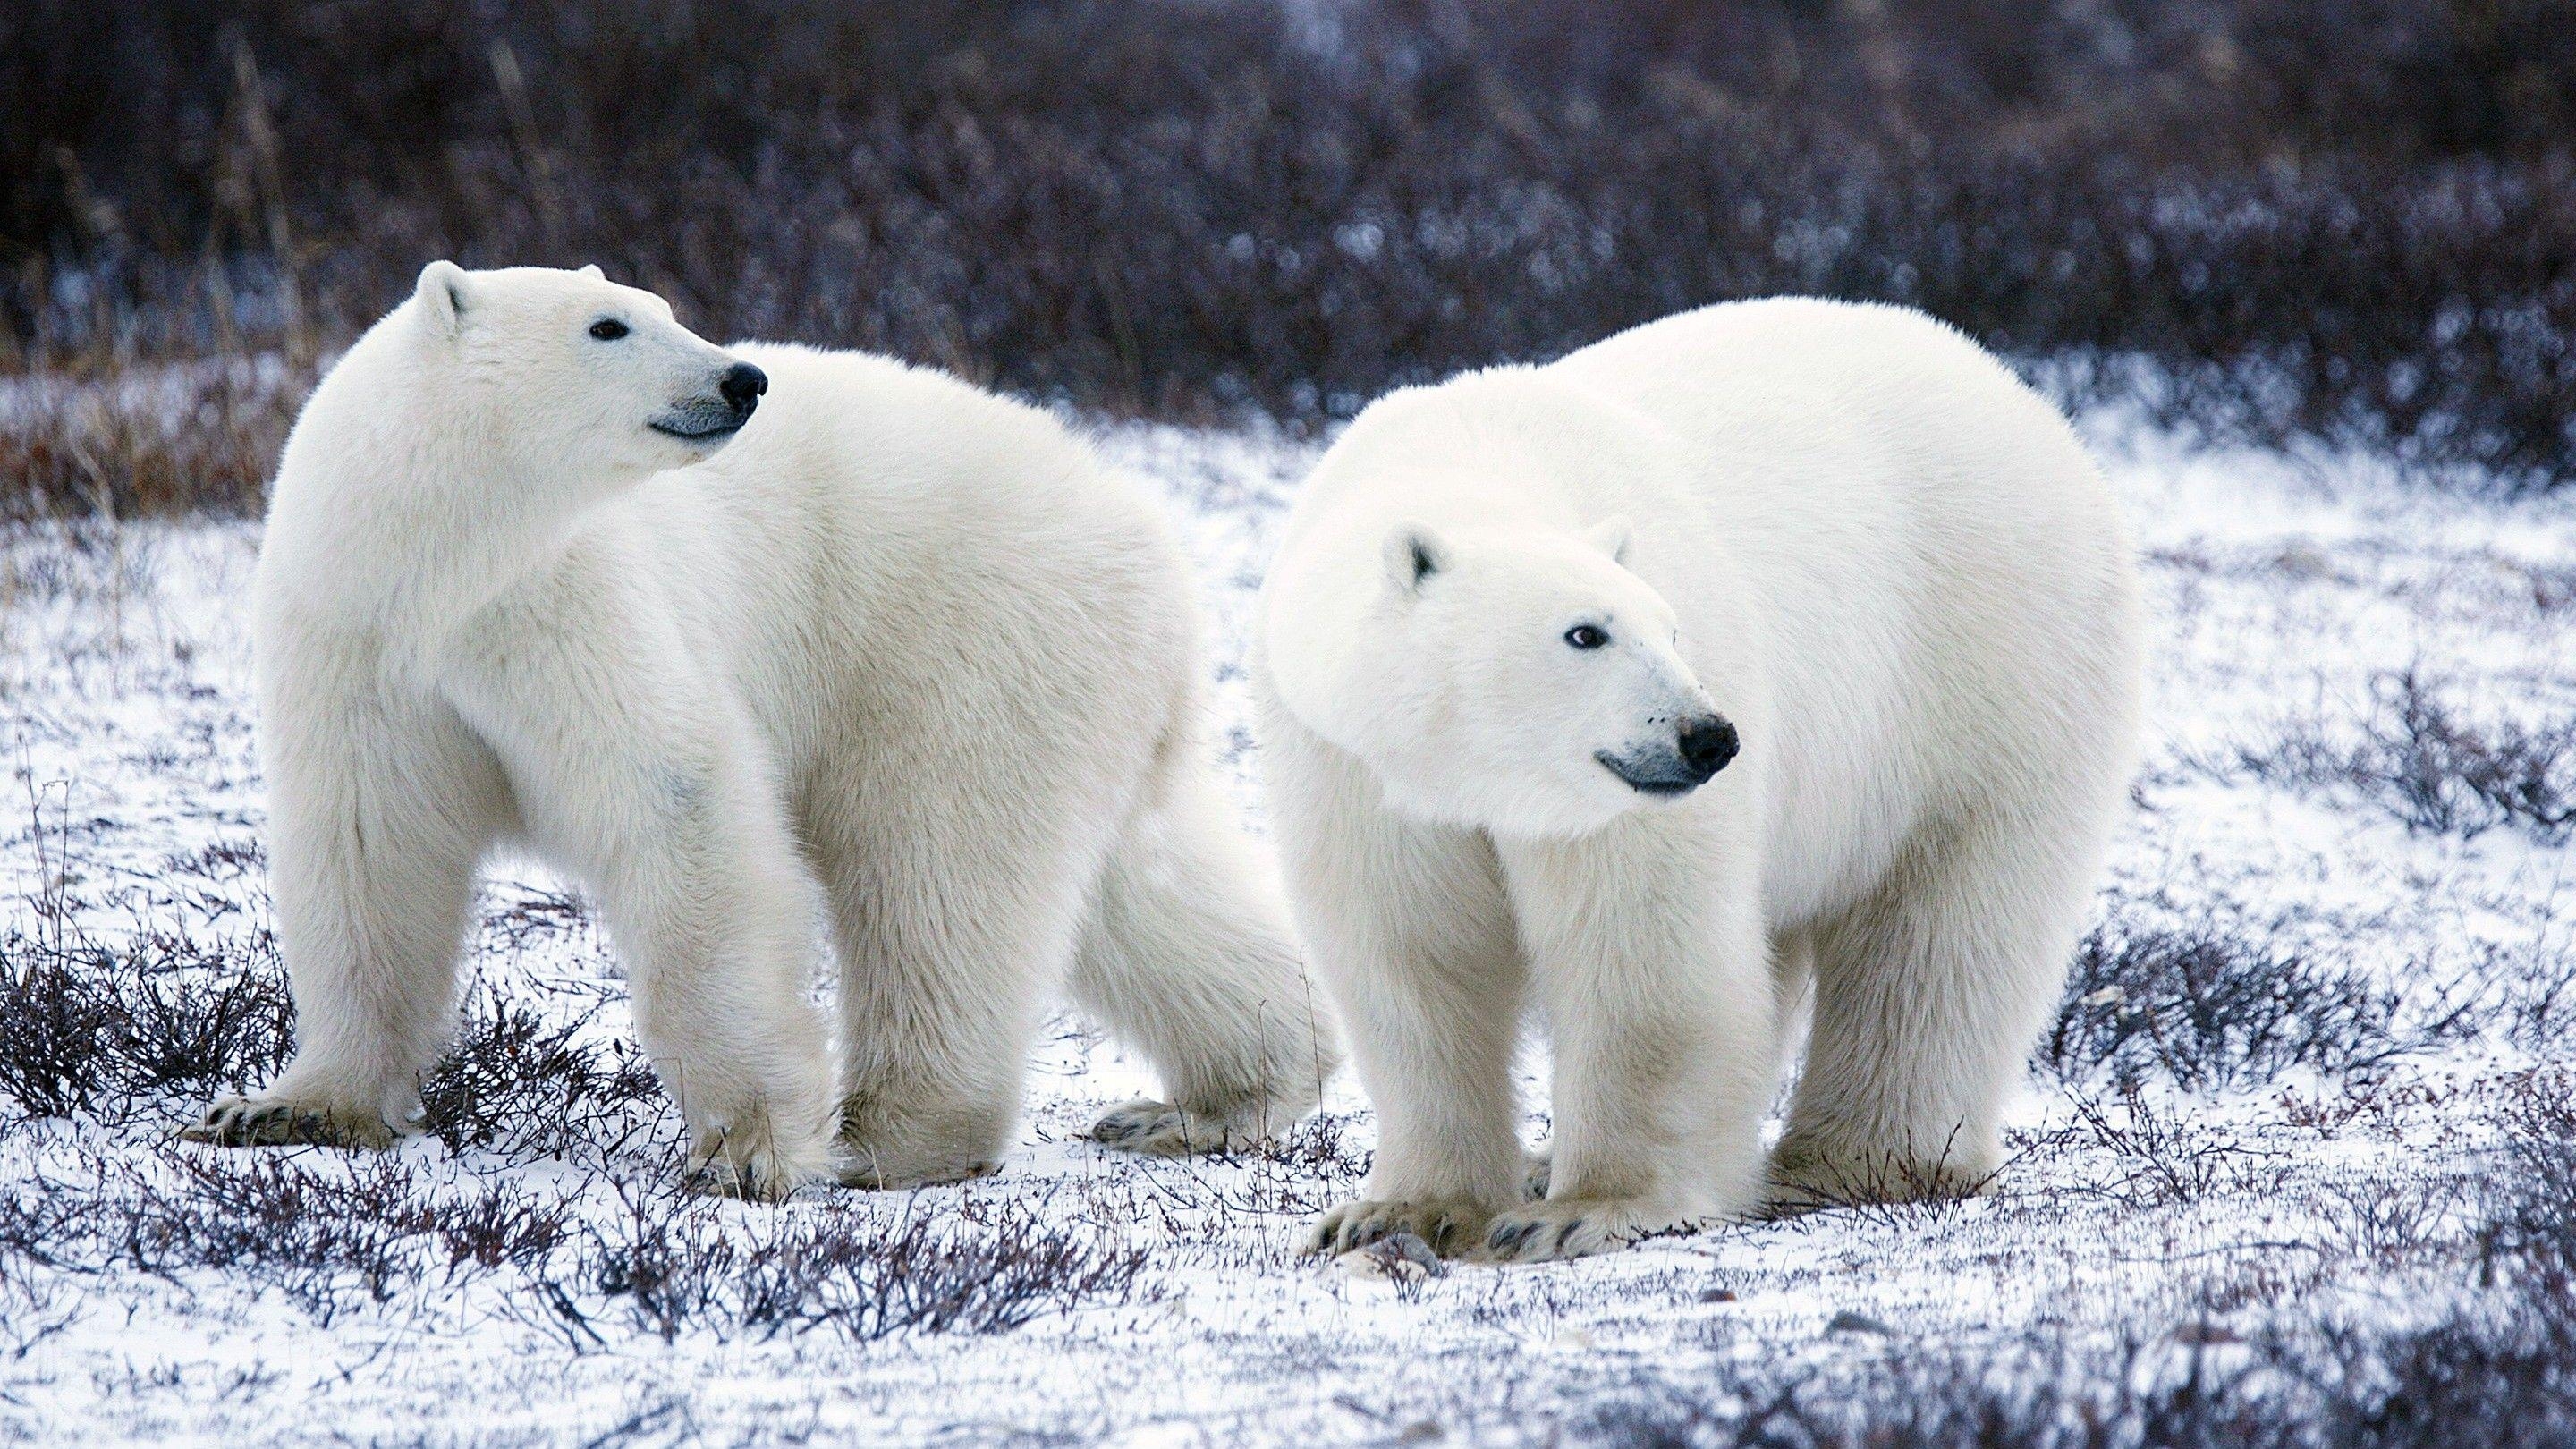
(2276, 219)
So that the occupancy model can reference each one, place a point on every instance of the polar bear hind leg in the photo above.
(1187, 957)
(1927, 996)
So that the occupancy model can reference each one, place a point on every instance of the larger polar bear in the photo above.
(903, 642)
(1519, 627)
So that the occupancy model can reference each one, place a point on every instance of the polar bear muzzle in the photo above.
(713, 418)
(1701, 746)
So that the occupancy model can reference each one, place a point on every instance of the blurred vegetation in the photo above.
(2339, 223)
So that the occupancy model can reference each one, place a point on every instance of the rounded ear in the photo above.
(1413, 554)
(594, 273)
(441, 294)
(1611, 536)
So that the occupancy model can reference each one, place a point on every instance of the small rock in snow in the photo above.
(1397, 1258)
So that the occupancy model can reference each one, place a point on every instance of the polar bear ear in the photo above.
(441, 294)
(1611, 536)
(1413, 553)
(594, 273)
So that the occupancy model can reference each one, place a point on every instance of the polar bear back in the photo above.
(1811, 411)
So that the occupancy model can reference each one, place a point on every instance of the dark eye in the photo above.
(1584, 636)
(607, 329)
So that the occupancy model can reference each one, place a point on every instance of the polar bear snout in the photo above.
(718, 415)
(1701, 746)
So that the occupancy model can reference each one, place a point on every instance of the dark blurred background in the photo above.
(2306, 223)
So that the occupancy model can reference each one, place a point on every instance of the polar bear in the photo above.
(900, 656)
(1625, 687)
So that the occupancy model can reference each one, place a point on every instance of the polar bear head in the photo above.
(1524, 682)
(571, 377)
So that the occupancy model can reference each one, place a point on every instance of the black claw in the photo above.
(1566, 1230)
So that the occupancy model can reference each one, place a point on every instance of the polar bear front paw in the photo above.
(1805, 1176)
(756, 1165)
(288, 1121)
(1546, 1232)
(886, 1144)
(757, 1177)
(1159, 1129)
(861, 1167)
(1449, 1225)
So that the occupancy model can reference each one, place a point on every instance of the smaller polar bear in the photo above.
(904, 646)
(1776, 642)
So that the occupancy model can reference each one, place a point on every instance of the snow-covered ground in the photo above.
(2275, 1094)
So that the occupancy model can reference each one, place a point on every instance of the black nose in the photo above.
(742, 386)
(1707, 743)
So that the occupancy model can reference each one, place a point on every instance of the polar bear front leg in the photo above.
(703, 892)
(648, 783)
(1408, 927)
(1649, 963)
(717, 912)
(720, 962)
(378, 813)
(1430, 995)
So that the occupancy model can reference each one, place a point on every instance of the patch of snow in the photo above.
(2281, 592)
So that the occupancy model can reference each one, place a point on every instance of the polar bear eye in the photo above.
(1585, 636)
(607, 329)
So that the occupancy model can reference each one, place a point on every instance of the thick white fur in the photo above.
(903, 651)
(1891, 566)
